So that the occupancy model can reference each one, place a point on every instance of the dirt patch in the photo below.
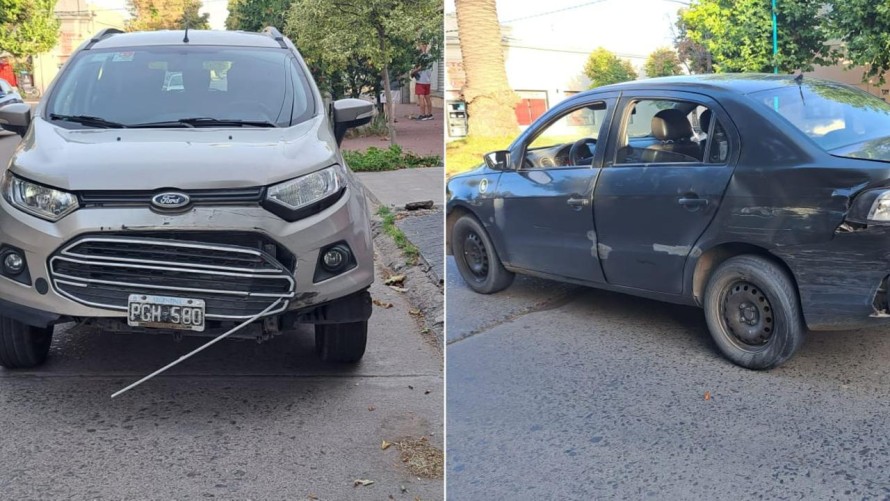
(421, 457)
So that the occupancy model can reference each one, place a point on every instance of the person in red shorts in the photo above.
(422, 72)
(6, 72)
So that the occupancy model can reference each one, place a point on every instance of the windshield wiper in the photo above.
(207, 122)
(88, 120)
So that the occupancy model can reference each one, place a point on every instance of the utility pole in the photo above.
(775, 41)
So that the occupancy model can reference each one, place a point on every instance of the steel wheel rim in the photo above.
(475, 256)
(747, 315)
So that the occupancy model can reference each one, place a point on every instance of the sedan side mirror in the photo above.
(498, 160)
(16, 117)
(349, 113)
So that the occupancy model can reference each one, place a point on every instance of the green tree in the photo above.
(738, 34)
(662, 62)
(694, 55)
(27, 27)
(863, 27)
(254, 15)
(604, 68)
(332, 34)
(151, 15)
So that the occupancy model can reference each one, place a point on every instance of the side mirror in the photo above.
(498, 160)
(349, 113)
(16, 117)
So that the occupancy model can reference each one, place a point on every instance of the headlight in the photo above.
(305, 195)
(38, 200)
(880, 208)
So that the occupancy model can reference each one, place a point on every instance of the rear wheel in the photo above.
(476, 258)
(341, 343)
(23, 346)
(753, 313)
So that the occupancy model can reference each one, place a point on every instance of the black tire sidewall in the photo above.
(774, 283)
(497, 277)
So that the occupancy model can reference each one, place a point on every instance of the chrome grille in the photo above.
(234, 281)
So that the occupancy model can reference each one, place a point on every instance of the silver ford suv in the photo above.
(183, 182)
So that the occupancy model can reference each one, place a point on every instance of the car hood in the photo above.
(182, 158)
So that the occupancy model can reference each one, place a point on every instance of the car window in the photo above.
(569, 140)
(5, 88)
(164, 83)
(671, 132)
(835, 116)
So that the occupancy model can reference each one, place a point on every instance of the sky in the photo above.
(217, 8)
(627, 27)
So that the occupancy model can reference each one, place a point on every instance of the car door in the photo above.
(543, 205)
(654, 197)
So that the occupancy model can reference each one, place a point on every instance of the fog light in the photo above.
(13, 263)
(334, 258)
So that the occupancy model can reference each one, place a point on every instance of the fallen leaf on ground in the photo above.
(422, 458)
(393, 280)
(312, 496)
(427, 392)
(707, 395)
(404, 489)
(381, 303)
(416, 313)
(398, 289)
(363, 482)
(385, 445)
(371, 407)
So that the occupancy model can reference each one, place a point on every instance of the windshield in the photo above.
(164, 84)
(835, 116)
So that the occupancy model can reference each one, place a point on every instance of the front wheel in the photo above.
(476, 258)
(753, 312)
(23, 346)
(341, 343)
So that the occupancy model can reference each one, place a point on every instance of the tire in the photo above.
(23, 346)
(476, 258)
(753, 312)
(341, 343)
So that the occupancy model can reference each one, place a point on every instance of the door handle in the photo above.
(577, 203)
(692, 202)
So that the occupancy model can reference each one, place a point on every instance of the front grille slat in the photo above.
(235, 281)
(111, 198)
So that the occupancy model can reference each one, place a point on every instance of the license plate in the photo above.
(165, 312)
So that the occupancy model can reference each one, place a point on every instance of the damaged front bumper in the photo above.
(83, 265)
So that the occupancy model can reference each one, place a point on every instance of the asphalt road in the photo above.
(239, 421)
(561, 392)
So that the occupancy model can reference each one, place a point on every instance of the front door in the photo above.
(544, 205)
(669, 161)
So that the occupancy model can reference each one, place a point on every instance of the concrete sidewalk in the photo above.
(422, 228)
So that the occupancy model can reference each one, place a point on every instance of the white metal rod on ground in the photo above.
(187, 356)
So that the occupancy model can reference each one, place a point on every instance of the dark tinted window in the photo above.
(156, 84)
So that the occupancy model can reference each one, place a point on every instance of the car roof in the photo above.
(196, 37)
(740, 83)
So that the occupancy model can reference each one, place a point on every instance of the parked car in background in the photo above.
(763, 199)
(142, 207)
(8, 95)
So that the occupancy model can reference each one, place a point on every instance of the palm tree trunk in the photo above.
(490, 100)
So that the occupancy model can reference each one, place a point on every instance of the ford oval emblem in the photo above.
(170, 200)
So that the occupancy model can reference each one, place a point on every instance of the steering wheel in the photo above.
(578, 147)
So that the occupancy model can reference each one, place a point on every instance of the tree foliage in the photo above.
(662, 62)
(738, 34)
(27, 27)
(254, 15)
(604, 68)
(339, 37)
(693, 55)
(863, 27)
(151, 15)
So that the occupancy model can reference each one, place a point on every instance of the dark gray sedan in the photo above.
(764, 199)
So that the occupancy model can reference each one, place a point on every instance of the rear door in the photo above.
(544, 204)
(655, 196)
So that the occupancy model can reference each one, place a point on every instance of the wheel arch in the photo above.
(710, 259)
(455, 213)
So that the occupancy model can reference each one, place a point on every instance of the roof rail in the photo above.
(276, 35)
(107, 32)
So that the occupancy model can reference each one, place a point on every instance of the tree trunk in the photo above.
(490, 100)
(390, 107)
